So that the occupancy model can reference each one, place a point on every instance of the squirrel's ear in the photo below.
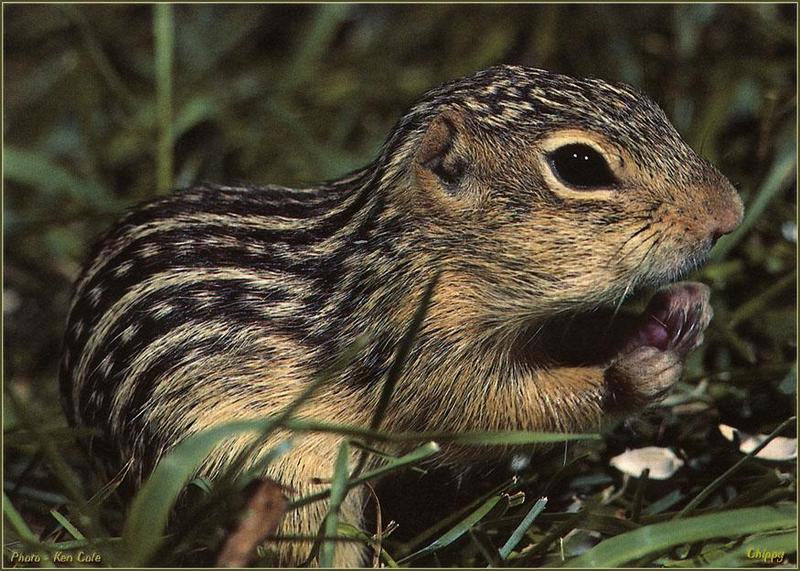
(439, 152)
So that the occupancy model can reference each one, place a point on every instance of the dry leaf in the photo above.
(262, 515)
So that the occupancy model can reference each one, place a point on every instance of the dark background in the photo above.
(297, 94)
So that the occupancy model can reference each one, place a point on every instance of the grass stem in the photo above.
(164, 39)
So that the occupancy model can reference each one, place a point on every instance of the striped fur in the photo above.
(218, 302)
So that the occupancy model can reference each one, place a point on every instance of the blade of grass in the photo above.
(147, 519)
(98, 55)
(609, 524)
(57, 434)
(30, 465)
(403, 350)
(23, 531)
(413, 457)
(67, 525)
(489, 438)
(164, 40)
(485, 547)
(231, 480)
(754, 494)
(558, 531)
(522, 528)
(781, 543)
(741, 347)
(316, 42)
(713, 486)
(43, 496)
(455, 532)
(637, 545)
(338, 492)
(41, 172)
(76, 544)
(152, 505)
(349, 531)
(706, 126)
(757, 304)
(186, 530)
(450, 520)
(87, 514)
(281, 419)
(195, 111)
(638, 497)
(275, 453)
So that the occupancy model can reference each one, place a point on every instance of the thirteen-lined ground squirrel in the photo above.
(540, 198)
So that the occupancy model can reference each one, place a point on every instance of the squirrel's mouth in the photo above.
(676, 266)
(584, 339)
(594, 338)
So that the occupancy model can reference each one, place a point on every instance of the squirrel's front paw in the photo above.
(652, 358)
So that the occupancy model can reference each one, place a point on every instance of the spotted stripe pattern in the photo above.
(220, 302)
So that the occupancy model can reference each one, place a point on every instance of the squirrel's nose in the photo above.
(728, 213)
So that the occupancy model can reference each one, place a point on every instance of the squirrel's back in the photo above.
(210, 273)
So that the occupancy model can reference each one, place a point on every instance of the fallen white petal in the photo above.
(780, 448)
(663, 462)
(727, 431)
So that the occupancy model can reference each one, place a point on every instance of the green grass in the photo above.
(106, 106)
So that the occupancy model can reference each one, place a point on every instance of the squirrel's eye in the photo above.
(580, 165)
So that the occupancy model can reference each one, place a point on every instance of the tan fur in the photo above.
(223, 303)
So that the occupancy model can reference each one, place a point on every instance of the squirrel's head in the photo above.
(553, 192)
